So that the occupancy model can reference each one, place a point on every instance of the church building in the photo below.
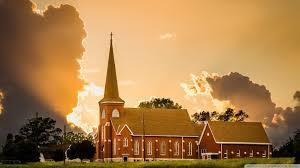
(136, 134)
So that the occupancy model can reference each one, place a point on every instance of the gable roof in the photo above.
(160, 122)
(238, 132)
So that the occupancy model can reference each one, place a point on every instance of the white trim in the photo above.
(202, 133)
(181, 147)
(177, 136)
(244, 143)
(123, 128)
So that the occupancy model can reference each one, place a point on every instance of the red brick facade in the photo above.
(208, 145)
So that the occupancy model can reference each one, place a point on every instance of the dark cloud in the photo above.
(256, 100)
(244, 94)
(297, 96)
(39, 71)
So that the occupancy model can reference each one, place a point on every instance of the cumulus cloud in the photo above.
(39, 69)
(255, 99)
(167, 36)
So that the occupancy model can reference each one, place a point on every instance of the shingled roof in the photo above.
(162, 122)
(238, 132)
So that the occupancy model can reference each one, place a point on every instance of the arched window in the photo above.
(163, 148)
(136, 147)
(125, 142)
(103, 114)
(190, 149)
(149, 148)
(115, 147)
(176, 148)
(115, 113)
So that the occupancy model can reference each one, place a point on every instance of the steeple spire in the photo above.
(111, 93)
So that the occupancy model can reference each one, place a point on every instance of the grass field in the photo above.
(235, 163)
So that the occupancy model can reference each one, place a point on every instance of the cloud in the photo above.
(39, 69)
(167, 36)
(297, 96)
(255, 99)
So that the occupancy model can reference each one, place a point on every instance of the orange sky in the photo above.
(158, 44)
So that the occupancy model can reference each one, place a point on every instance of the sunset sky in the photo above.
(204, 55)
(158, 44)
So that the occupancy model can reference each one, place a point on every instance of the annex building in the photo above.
(133, 134)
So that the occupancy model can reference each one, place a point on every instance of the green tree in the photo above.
(297, 146)
(228, 115)
(41, 131)
(160, 103)
(9, 149)
(81, 150)
(71, 137)
(204, 116)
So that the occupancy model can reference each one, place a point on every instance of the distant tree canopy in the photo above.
(71, 138)
(81, 150)
(228, 115)
(291, 148)
(160, 103)
(41, 131)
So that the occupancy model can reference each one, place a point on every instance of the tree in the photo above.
(160, 103)
(41, 131)
(72, 137)
(27, 151)
(9, 149)
(297, 146)
(81, 150)
(204, 116)
(228, 115)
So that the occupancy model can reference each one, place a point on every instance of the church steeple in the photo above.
(111, 93)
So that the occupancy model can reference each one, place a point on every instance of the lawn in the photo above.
(235, 163)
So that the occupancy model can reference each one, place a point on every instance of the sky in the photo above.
(204, 55)
(168, 40)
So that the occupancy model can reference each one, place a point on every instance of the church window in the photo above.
(149, 148)
(125, 142)
(163, 148)
(103, 114)
(136, 147)
(115, 113)
(176, 148)
(190, 152)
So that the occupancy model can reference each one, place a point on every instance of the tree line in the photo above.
(40, 136)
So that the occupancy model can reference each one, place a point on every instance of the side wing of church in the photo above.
(133, 134)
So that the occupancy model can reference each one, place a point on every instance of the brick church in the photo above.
(134, 134)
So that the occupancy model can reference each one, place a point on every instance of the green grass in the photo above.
(234, 163)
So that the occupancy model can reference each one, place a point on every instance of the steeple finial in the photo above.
(111, 93)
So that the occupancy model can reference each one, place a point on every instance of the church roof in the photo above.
(238, 132)
(111, 92)
(161, 122)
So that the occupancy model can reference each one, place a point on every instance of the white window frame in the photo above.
(115, 113)
(190, 152)
(102, 132)
(149, 148)
(103, 114)
(163, 148)
(115, 147)
(264, 154)
(176, 148)
(136, 147)
(226, 154)
(238, 154)
(251, 154)
(125, 142)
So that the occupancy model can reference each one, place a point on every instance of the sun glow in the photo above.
(200, 92)
(86, 114)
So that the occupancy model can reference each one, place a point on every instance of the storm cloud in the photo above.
(39, 69)
(256, 100)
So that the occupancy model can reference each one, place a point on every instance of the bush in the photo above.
(59, 155)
